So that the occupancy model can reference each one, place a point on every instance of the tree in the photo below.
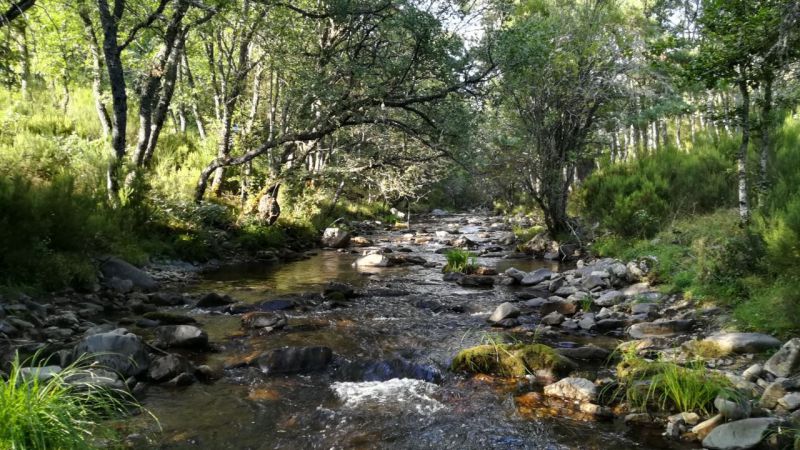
(561, 65)
(735, 39)
(379, 64)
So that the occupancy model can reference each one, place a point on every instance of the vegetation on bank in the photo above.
(691, 229)
(54, 217)
(40, 412)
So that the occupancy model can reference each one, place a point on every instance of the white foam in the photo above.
(403, 393)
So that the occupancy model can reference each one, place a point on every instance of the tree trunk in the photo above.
(24, 51)
(268, 208)
(744, 204)
(224, 147)
(165, 99)
(119, 97)
(97, 73)
(766, 144)
(201, 126)
(152, 95)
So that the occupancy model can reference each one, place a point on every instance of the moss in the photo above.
(512, 360)
(705, 349)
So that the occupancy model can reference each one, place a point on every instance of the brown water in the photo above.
(388, 386)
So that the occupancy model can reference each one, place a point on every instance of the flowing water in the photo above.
(388, 386)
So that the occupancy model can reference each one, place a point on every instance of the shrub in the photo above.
(638, 198)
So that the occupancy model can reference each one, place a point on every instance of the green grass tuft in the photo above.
(461, 261)
(52, 414)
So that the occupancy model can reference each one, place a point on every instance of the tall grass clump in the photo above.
(460, 261)
(51, 413)
(668, 387)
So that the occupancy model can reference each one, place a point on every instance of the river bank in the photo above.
(323, 354)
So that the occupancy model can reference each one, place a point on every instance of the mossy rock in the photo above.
(510, 360)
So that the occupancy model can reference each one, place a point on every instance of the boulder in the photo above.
(790, 401)
(372, 260)
(660, 328)
(167, 367)
(776, 390)
(560, 306)
(786, 362)
(610, 298)
(294, 360)
(536, 277)
(593, 281)
(578, 389)
(587, 322)
(553, 319)
(727, 343)
(739, 435)
(504, 311)
(335, 238)
(585, 353)
(476, 281)
(213, 299)
(515, 274)
(185, 336)
(732, 410)
(117, 350)
(346, 290)
(113, 267)
(361, 241)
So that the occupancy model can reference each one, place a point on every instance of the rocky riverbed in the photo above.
(367, 344)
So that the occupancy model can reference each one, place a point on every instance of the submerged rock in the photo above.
(515, 360)
(213, 299)
(186, 336)
(264, 320)
(372, 260)
(295, 360)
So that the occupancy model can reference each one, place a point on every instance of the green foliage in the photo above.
(53, 414)
(668, 387)
(771, 306)
(461, 261)
(640, 197)
(48, 231)
(779, 219)
(526, 234)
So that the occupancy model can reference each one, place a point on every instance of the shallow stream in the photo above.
(389, 386)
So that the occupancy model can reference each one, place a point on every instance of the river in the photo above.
(388, 386)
